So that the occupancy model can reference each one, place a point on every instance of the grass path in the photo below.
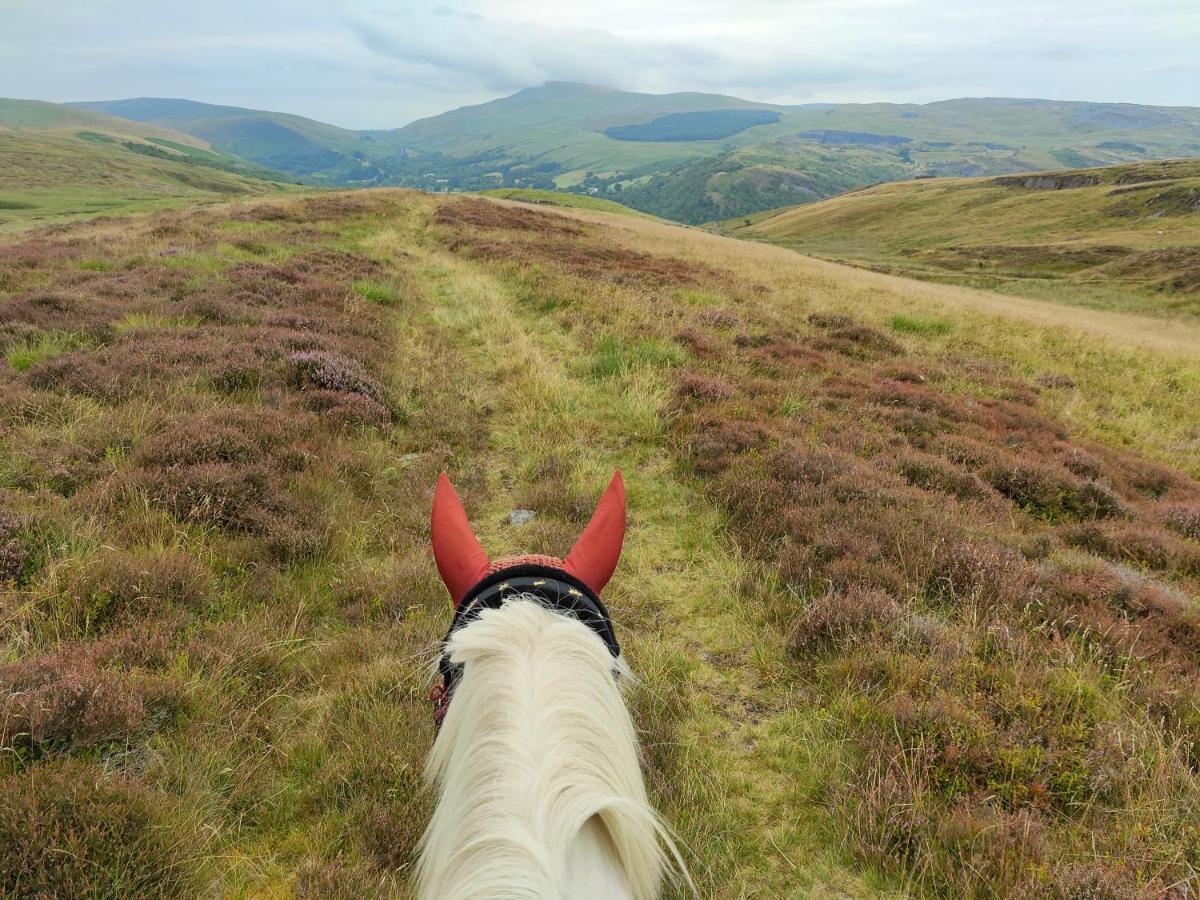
(707, 660)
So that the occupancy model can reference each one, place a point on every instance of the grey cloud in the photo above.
(374, 63)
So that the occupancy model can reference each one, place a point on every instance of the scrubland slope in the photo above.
(910, 581)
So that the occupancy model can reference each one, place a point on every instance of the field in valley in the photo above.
(1120, 237)
(911, 578)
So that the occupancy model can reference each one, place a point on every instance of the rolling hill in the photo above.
(59, 163)
(690, 157)
(928, 626)
(1124, 237)
(302, 147)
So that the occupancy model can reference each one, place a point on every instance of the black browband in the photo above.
(552, 587)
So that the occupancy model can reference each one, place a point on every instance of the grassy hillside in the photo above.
(302, 147)
(687, 156)
(36, 115)
(1121, 237)
(928, 626)
(59, 163)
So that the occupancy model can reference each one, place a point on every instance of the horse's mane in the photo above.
(537, 767)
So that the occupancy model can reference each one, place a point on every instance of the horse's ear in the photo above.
(461, 559)
(594, 557)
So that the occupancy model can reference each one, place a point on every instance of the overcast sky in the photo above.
(380, 64)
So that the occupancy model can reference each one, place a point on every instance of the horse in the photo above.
(536, 764)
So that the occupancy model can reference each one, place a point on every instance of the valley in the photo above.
(690, 157)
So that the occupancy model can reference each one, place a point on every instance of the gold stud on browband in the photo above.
(539, 583)
(574, 593)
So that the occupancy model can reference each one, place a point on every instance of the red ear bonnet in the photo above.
(461, 560)
(463, 563)
(594, 557)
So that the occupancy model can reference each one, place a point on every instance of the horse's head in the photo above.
(536, 761)
(571, 585)
(464, 564)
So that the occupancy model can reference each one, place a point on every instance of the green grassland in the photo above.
(687, 156)
(910, 584)
(562, 198)
(1119, 237)
(59, 164)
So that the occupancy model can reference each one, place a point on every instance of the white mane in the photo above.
(541, 792)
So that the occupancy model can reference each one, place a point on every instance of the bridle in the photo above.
(570, 586)
(549, 586)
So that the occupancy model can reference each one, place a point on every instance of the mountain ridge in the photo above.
(689, 156)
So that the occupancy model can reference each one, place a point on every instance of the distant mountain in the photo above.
(687, 156)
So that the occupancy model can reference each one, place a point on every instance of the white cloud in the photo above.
(371, 63)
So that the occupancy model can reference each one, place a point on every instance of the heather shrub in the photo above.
(1149, 478)
(698, 342)
(236, 435)
(1143, 544)
(346, 410)
(71, 698)
(829, 321)
(235, 469)
(210, 310)
(844, 616)
(932, 474)
(859, 341)
(236, 372)
(220, 494)
(1050, 493)
(327, 371)
(714, 444)
(1055, 381)
(988, 575)
(69, 829)
(12, 551)
(1080, 462)
(136, 363)
(1185, 520)
(704, 388)
(718, 318)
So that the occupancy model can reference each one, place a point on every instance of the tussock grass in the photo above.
(615, 357)
(25, 355)
(919, 325)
